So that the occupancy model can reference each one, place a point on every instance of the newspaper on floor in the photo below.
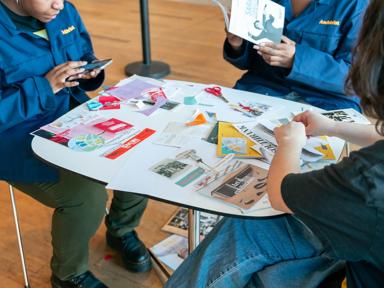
(171, 251)
(178, 223)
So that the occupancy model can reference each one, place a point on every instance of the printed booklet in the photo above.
(240, 184)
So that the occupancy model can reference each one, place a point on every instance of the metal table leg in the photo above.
(193, 229)
(193, 241)
(147, 67)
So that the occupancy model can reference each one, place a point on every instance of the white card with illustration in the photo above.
(257, 21)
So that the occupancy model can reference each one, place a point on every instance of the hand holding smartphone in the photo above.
(98, 64)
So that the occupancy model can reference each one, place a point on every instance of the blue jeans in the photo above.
(275, 252)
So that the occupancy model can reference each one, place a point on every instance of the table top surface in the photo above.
(130, 171)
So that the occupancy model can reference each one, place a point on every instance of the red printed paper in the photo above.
(109, 102)
(154, 93)
(113, 125)
(130, 143)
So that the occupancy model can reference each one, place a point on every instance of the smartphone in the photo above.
(98, 64)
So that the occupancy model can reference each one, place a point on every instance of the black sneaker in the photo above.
(133, 252)
(85, 280)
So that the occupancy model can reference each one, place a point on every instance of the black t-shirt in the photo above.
(343, 204)
(24, 23)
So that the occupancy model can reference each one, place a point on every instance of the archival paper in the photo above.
(257, 20)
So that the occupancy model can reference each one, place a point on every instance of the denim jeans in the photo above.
(274, 252)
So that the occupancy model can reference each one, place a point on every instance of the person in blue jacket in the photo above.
(43, 44)
(334, 214)
(311, 62)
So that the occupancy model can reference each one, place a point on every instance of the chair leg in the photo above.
(19, 239)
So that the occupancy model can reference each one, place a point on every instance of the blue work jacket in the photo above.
(325, 33)
(27, 101)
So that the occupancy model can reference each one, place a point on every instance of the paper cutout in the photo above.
(190, 100)
(170, 168)
(239, 184)
(327, 152)
(160, 101)
(129, 144)
(154, 93)
(198, 120)
(94, 105)
(86, 143)
(189, 178)
(113, 125)
(132, 89)
(109, 102)
(257, 21)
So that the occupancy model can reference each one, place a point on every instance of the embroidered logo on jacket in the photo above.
(329, 22)
(68, 30)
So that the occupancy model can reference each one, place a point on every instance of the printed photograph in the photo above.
(170, 168)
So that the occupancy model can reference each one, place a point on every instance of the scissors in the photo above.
(216, 91)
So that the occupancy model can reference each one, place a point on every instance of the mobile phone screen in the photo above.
(99, 64)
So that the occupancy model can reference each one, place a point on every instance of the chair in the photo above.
(19, 239)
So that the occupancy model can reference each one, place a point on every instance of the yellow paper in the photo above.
(230, 140)
(327, 151)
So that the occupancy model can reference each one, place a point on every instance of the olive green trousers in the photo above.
(79, 207)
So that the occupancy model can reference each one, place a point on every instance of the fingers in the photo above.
(280, 55)
(273, 60)
(86, 75)
(269, 47)
(94, 73)
(301, 117)
(70, 64)
(288, 41)
(278, 61)
(65, 74)
(69, 84)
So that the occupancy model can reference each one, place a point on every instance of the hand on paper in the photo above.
(315, 123)
(279, 55)
(292, 135)
(63, 75)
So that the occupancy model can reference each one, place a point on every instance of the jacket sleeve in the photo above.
(88, 55)
(241, 60)
(24, 100)
(325, 71)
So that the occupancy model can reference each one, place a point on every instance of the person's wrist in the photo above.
(332, 128)
(291, 145)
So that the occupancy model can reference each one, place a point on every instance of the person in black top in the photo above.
(333, 214)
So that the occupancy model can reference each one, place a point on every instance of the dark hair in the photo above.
(366, 77)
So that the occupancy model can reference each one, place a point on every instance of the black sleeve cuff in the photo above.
(92, 84)
(230, 53)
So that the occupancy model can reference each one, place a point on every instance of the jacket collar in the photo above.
(7, 23)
